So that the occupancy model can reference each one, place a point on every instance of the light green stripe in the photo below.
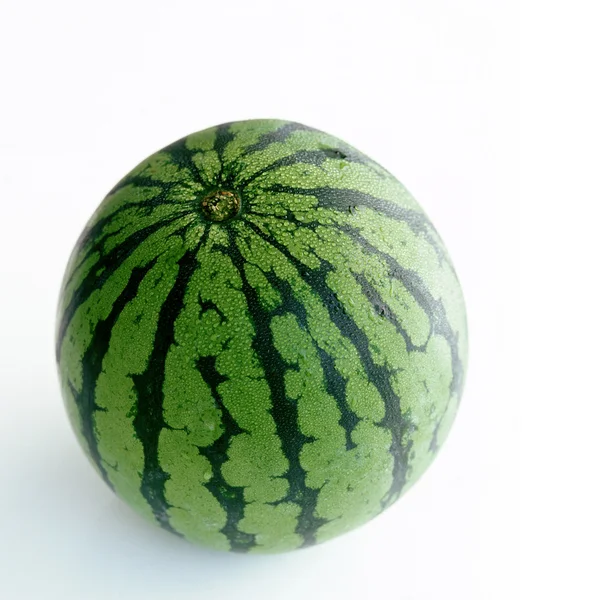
(247, 134)
(194, 510)
(208, 165)
(373, 456)
(136, 219)
(79, 273)
(116, 231)
(323, 331)
(297, 141)
(255, 461)
(413, 252)
(352, 495)
(273, 526)
(98, 305)
(190, 411)
(424, 395)
(340, 175)
(160, 168)
(201, 140)
(385, 344)
(127, 196)
(352, 482)
(425, 399)
(130, 346)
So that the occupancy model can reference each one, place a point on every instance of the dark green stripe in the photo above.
(378, 376)
(102, 271)
(308, 157)
(92, 364)
(279, 135)
(92, 236)
(345, 200)
(434, 309)
(436, 314)
(228, 173)
(335, 384)
(149, 421)
(141, 181)
(182, 157)
(381, 309)
(284, 410)
(230, 497)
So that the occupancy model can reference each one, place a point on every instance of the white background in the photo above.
(429, 89)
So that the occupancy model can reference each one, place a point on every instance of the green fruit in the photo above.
(261, 338)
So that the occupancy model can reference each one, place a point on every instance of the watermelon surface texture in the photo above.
(261, 338)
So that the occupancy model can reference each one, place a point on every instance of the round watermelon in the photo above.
(261, 338)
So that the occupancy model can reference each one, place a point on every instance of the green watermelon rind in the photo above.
(273, 380)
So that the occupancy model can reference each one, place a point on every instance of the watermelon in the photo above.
(261, 339)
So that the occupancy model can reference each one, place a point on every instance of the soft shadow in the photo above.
(77, 531)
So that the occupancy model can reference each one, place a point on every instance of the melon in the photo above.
(261, 338)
